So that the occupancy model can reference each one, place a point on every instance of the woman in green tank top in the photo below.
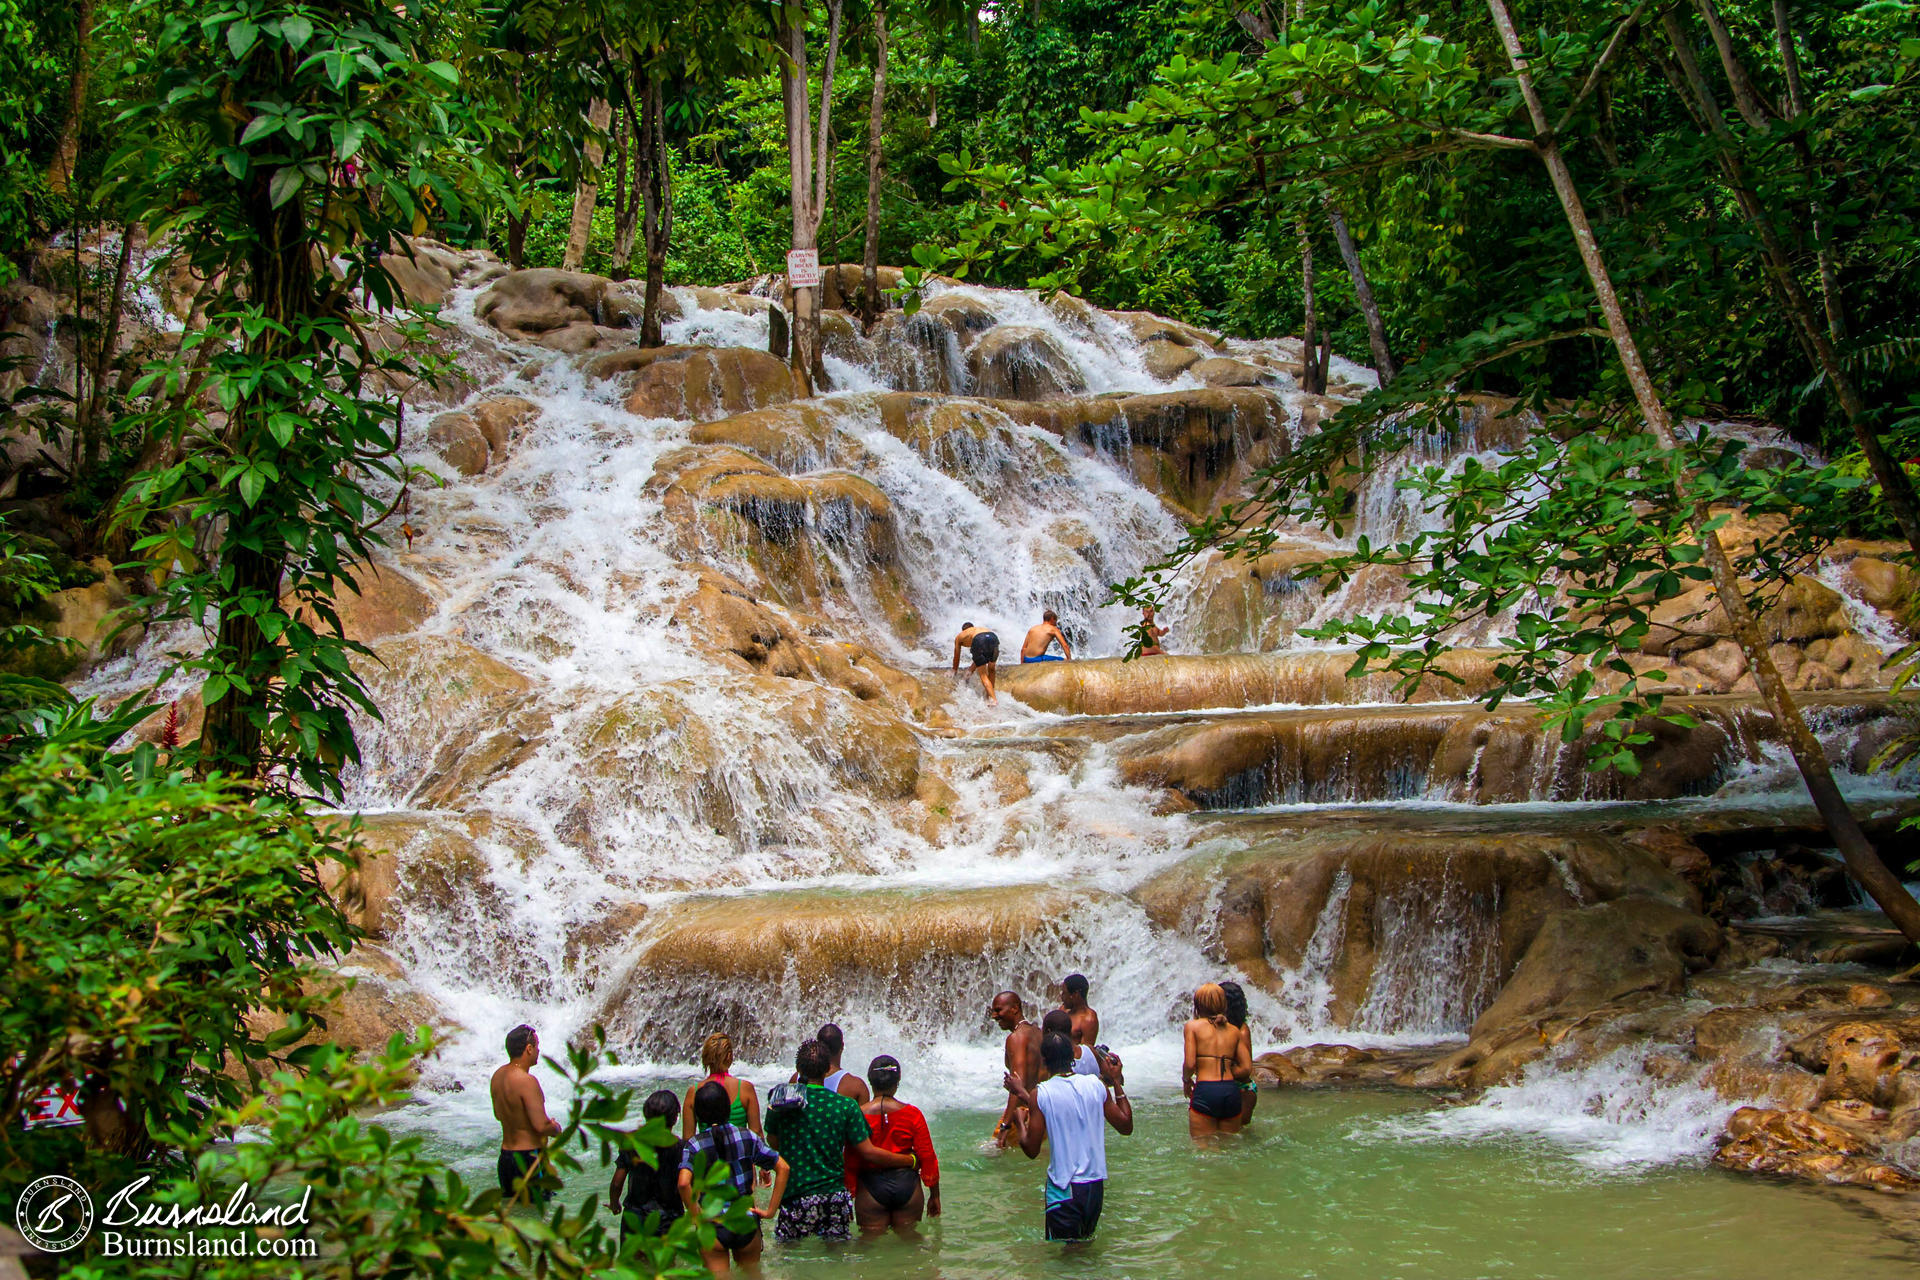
(716, 1055)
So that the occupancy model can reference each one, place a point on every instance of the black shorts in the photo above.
(512, 1166)
(636, 1217)
(736, 1239)
(1075, 1217)
(1216, 1099)
(891, 1189)
(985, 648)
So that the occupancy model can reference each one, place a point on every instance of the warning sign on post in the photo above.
(803, 269)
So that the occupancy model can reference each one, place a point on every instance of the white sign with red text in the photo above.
(803, 269)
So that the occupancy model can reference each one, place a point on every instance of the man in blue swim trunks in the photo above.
(1040, 638)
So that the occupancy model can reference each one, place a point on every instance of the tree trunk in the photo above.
(253, 553)
(1896, 487)
(1309, 332)
(587, 192)
(626, 192)
(1362, 292)
(655, 180)
(807, 174)
(517, 241)
(1862, 860)
(1822, 228)
(66, 149)
(870, 306)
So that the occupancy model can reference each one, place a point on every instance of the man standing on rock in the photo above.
(1073, 998)
(1070, 1113)
(1041, 637)
(521, 1108)
(1023, 1055)
(984, 647)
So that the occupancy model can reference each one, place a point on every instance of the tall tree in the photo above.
(586, 192)
(809, 159)
(870, 305)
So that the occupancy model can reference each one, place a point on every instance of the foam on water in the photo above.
(1610, 1114)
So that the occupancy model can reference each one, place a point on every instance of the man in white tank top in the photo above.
(1070, 1114)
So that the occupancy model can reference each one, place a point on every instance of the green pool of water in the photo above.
(1324, 1187)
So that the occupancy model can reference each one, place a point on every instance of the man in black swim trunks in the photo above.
(984, 647)
(521, 1108)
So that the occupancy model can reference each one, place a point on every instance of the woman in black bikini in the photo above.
(1237, 1015)
(891, 1198)
(1216, 1061)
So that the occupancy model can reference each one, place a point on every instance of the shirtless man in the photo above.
(1034, 647)
(984, 647)
(521, 1108)
(1073, 998)
(838, 1078)
(1023, 1056)
(1151, 649)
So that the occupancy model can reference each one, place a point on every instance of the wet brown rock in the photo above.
(1166, 359)
(1192, 446)
(1185, 682)
(1881, 583)
(501, 419)
(457, 438)
(1147, 327)
(763, 966)
(531, 306)
(1018, 362)
(704, 383)
(1593, 956)
(1220, 371)
(91, 618)
(801, 436)
(1802, 1145)
(1276, 1070)
(379, 1005)
(961, 315)
(425, 270)
(385, 602)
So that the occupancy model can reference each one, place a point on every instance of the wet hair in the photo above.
(883, 1073)
(1057, 1022)
(716, 1052)
(663, 1104)
(518, 1039)
(1012, 998)
(966, 626)
(1049, 616)
(1210, 1002)
(1056, 1051)
(832, 1037)
(1236, 1003)
(711, 1105)
(1074, 984)
(812, 1062)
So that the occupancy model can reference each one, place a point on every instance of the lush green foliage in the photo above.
(145, 913)
(381, 1207)
(341, 145)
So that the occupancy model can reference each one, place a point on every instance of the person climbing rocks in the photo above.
(1073, 998)
(892, 1199)
(721, 1140)
(1022, 1056)
(1070, 1113)
(813, 1128)
(1040, 638)
(1152, 632)
(521, 1108)
(984, 647)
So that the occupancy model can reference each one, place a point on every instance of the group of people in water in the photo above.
(841, 1153)
(983, 646)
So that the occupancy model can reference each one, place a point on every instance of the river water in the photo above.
(668, 845)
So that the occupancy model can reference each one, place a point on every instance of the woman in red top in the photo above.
(886, 1199)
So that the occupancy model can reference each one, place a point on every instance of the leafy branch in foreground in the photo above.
(382, 1207)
